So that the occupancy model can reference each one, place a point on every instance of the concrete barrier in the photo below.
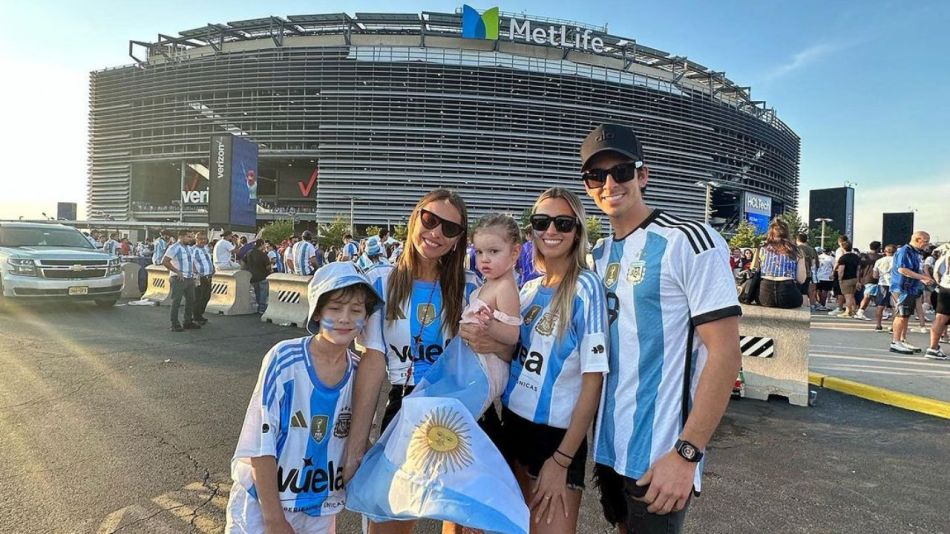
(231, 293)
(288, 303)
(774, 345)
(158, 288)
(130, 281)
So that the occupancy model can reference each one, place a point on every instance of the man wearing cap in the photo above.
(672, 300)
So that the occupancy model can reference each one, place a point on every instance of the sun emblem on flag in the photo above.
(441, 443)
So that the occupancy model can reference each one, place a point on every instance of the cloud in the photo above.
(804, 58)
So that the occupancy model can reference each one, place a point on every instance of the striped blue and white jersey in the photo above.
(110, 247)
(303, 251)
(160, 247)
(350, 251)
(663, 280)
(183, 258)
(203, 263)
(421, 316)
(301, 422)
(546, 373)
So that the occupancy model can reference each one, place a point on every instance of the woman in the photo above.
(556, 377)
(746, 261)
(425, 293)
(782, 268)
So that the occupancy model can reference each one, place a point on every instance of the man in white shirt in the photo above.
(223, 251)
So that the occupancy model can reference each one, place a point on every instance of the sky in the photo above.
(863, 83)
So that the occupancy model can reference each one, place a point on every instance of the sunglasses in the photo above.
(430, 221)
(562, 223)
(595, 178)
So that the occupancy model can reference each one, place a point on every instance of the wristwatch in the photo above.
(688, 451)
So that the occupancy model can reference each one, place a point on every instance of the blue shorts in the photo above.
(882, 296)
(906, 303)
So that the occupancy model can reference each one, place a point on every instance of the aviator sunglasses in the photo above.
(430, 221)
(595, 178)
(562, 223)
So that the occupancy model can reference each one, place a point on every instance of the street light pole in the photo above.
(823, 220)
(709, 185)
(352, 227)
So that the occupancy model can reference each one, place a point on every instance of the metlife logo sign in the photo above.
(485, 26)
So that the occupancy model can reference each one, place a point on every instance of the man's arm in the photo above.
(671, 477)
(167, 263)
(910, 273)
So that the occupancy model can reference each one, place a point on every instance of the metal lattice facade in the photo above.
(389, 112)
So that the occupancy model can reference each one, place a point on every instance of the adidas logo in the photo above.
(599, 349)
(298, 420)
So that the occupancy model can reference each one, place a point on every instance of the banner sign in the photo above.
(757, 209)
(232, 188)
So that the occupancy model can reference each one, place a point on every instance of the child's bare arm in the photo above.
(264, 471)
(508, 302)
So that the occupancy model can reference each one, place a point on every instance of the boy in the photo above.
(288, 468)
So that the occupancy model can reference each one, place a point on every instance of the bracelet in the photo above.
(558, 451)
(559, 463)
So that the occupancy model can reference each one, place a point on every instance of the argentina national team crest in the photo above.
(318, 427)
(426, 314)
(611, 275)
(545, 326)
(636, 272)
(342, 427)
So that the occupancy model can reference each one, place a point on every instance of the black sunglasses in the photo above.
(562, 223)
(430, 221)
(595, 178)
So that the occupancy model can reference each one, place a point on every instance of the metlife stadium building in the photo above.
(370, 111)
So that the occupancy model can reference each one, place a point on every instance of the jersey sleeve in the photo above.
(707, 281)
(262, 420)
(590, 324)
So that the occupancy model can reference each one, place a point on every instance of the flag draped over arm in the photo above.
(434, 461)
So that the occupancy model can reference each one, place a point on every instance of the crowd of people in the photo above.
(551, 350)
(901, 282)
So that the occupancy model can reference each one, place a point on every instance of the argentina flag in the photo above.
(434, 461)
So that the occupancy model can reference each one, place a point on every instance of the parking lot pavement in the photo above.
(113, 423)
(851, 349)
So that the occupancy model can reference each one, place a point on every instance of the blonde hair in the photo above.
(564, 296)
(451, 266)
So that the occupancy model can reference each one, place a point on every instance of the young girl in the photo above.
(288, 466)
(495, 305)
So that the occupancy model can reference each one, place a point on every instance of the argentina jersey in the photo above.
(545, 379)
(663, 280)
(303, 423)
(303, 251)
(420, 316)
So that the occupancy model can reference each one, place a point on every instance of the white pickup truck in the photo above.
(46, 261)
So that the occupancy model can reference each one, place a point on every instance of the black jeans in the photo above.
(202, 296)
(640, 521)
(182, 288)
(780, 294)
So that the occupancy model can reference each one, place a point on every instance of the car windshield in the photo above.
(42, 237)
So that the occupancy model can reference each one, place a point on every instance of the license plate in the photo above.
(79, 290)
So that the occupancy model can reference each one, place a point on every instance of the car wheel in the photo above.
(108, 303)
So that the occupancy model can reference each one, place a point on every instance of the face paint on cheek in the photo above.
(360, 323)
(327, 324)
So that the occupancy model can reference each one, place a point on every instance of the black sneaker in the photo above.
(177, 328)
(935, 354)
(201, 320)
(192, 326)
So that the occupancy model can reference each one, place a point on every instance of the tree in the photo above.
(277, 231)
(372, 230)
(794, 221)
(525, 219)
(746, 236)
(594, 229)
(331, 235)
(401, 232)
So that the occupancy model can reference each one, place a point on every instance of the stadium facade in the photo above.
(368, 112)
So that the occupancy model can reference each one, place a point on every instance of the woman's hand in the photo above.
(550, 492)
(476, 336)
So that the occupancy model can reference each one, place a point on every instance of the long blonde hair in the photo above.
(451, 266)
(564, 296)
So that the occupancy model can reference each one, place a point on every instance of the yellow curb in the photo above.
(906, 401)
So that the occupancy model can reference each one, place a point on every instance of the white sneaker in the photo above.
(835, 313)
(909, 346)
(860, 316)
(935, 354)
(901, 348)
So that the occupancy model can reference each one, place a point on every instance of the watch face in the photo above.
(689, 451)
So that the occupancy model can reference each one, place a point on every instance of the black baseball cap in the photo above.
(611, 138)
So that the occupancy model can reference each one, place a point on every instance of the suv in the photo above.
(40, 261)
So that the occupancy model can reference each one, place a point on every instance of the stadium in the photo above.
(362, 114)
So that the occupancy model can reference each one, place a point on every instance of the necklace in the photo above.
(417, 339)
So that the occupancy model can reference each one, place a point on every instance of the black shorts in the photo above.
(824, 285)
(531, 444)
(805, 286)
(617, 500)
(943, 301)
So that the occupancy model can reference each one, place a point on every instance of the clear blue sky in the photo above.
(864, 83)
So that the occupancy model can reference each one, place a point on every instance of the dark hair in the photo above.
(383, 231)
(226, 233)
(347, 236)
(890, 248)
(875, 246)
(803, 238)
(846, 245)
(505, 222)
(183, 232)
(345, 294)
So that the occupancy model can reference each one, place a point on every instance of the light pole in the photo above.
(709, 185)
(352, 227)
(823, 221)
